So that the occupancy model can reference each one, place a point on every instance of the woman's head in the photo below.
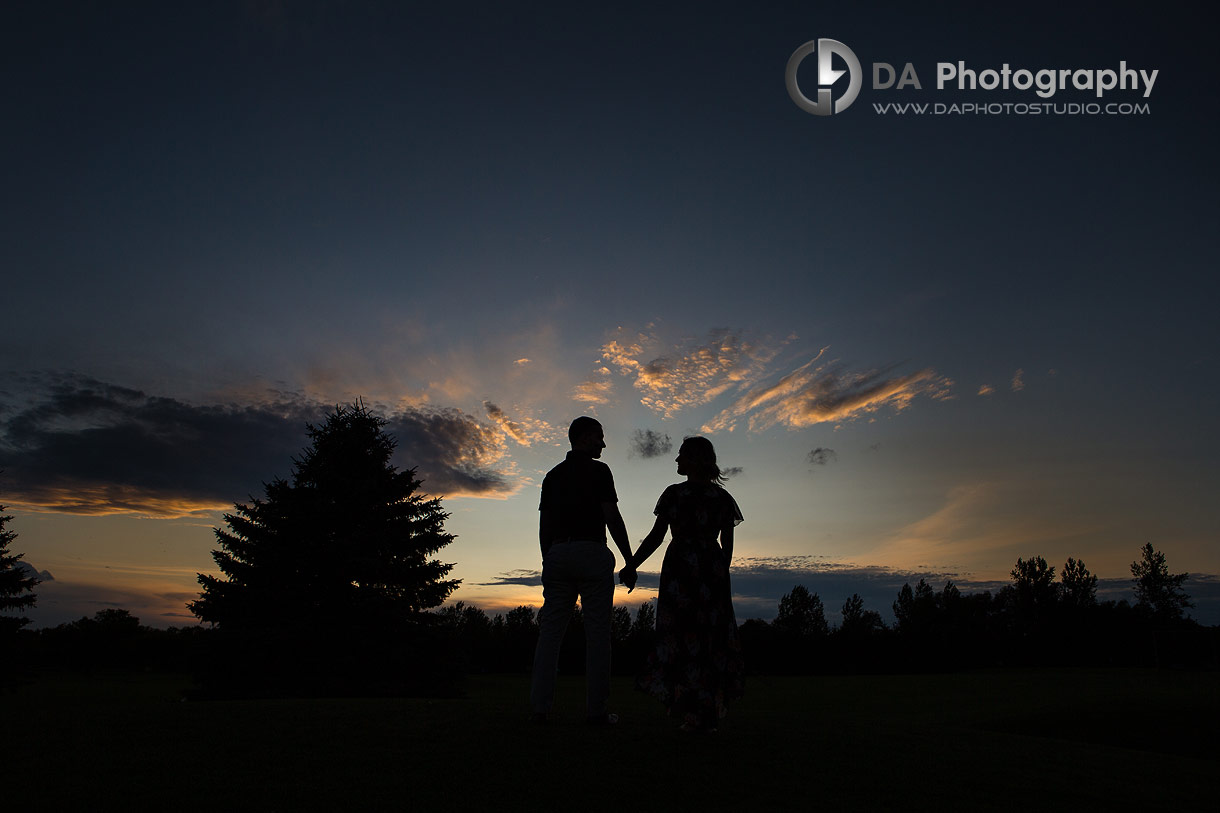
(697, 460)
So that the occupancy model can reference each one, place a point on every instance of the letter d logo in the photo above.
(827, 76)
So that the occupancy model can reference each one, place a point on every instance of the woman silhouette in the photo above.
(696, 668)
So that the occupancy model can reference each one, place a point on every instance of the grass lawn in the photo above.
(1081, 739)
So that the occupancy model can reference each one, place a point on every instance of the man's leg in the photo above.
(597, 603)
(559, 588)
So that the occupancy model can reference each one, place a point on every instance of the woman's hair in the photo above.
(701, 459)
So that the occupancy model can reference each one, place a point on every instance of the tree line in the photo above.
(1034, 620)
(329, 582)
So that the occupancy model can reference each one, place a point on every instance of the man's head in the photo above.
(586, 435)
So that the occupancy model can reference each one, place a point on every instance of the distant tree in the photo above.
(1157, 592)
(857, 621)
(16, 583)
(1030, 605)
(520, 636)
(1079, 586)
(645, 619)
(346, 542)
(802, 614)
(950, 595)
(643, 633)
(1034, 580)
(114, 621)
(915, 610)
(960, 618)
(470, 631)
(465, 619)
(620, 624)
(756, 639)
(641, 637)
(521, 620)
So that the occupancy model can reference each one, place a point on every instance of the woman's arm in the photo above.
(726, 543)
(651, 542)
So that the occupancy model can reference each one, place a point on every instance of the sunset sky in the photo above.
(926, 344)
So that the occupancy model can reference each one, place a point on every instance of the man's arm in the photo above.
(546, 530)
(726, 543)
(617, 529)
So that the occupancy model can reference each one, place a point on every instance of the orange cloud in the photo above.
(595, 391)
(812, 395)
(525, 431)
(107, 499)
(689, 374)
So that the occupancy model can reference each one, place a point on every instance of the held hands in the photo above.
(627, 577)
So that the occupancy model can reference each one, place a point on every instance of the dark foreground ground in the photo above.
(1058, 739)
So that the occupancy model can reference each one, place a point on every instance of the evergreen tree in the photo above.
(16, 585)
(347, 542)
(1157, 592)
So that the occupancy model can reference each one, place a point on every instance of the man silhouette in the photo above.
(578, 504)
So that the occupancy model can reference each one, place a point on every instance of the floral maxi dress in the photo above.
(697, 667)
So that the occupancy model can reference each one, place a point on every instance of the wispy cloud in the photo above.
(593, 392)
(978, 524)
(690, 373)
(596, 390)
(1018, 381)
(986, 389)
(528, 578)
(672, 378)
(647, 444)
(524, 430)
(828, 393)
(89, 447)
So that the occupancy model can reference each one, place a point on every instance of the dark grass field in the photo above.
(999, 740)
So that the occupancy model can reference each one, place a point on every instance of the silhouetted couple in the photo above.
(696, 667)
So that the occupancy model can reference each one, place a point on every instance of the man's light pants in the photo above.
(570, 569)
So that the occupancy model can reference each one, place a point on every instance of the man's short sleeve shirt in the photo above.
(573, 492)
